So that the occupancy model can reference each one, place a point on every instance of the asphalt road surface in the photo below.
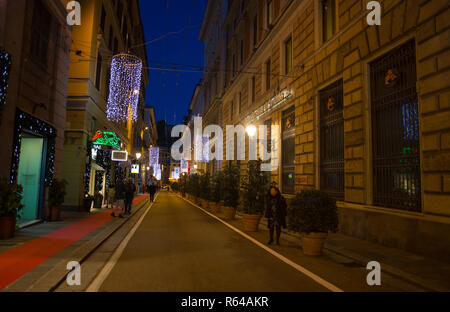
(177, 247)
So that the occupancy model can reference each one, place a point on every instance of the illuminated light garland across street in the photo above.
(125, 87)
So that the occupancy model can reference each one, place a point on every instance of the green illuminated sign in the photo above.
(106, 138)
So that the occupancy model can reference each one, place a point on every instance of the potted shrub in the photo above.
(175, 187)
(10, 205)
(216, 192)
(230, 190)
(313, 214)
(56, 194)
(253, 193)
(205, 190)
(182, 186)
(194, 186)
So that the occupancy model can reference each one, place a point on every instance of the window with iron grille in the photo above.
(395, 130)
(103, 20)
(98, 73)
(332, 140)
(288, 152)
(268, 124)
(41, 33)
(328, 19)
(268, 74)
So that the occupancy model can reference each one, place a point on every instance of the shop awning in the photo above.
(96, 167)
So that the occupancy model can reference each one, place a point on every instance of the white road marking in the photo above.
(104, 273)
(296, 266)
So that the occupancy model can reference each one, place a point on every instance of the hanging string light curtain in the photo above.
(125, 85)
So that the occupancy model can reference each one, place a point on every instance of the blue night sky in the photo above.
(183, 48)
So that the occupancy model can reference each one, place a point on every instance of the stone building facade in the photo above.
(363, 110)
(36, 37)
(108, 28)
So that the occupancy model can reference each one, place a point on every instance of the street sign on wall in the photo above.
(119, 156)
(134, 168)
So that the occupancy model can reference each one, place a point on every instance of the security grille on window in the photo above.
(268, 72)
(288, 152)
(269, 13)
(288, 55)
(395, 129)
(328, 19)
(268, 124)
(41, 33)
(332, 140)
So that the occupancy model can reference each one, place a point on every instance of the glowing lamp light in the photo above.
(125, 85)
(251, 131)
(138, 155)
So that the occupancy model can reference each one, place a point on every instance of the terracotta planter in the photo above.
(55, 213)
(7, 227)
(251, 222)
(229, 212)
(312, 243)
(204, 203)
(215, 207)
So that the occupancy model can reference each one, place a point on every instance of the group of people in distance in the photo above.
(120, 199)
(121, 195)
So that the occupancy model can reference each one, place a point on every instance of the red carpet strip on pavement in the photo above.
(18, 261)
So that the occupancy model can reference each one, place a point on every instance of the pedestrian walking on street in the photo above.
(130, 190)
(111, 196)
(120, 199)
(276, 211)
(151, 188)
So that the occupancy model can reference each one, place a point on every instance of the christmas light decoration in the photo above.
(5, 66)
(125, 84)
(154, 156)
(184, 166)
(106, 138)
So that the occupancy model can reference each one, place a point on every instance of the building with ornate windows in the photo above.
(363, 110)
(108, 28)
(34, 66)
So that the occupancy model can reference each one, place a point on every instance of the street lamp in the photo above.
(251, 131)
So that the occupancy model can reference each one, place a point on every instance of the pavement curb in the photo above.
(58, 274)
(410, 278)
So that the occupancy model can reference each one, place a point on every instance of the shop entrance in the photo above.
(30, 176)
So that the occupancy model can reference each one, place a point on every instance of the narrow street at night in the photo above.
(180, 248)
(224, 155)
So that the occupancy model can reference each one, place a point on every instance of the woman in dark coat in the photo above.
(276, 211)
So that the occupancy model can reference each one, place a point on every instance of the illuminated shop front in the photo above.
(32, 163)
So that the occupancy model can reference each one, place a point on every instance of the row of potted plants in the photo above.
(11, 196)
(312, 213)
